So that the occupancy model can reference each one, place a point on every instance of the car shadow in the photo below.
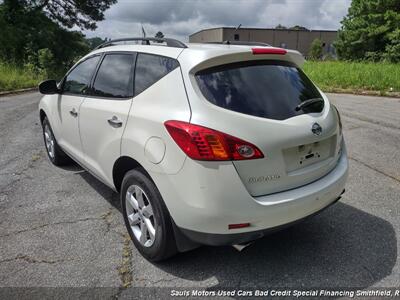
(72, 167)
(341, 247)
(103, 190)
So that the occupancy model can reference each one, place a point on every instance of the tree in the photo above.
(96, 41)
(298, 27)
(370, 31)
(30, 35)
(280, 26)
(159, 35)
(316, 49)
(70, 13)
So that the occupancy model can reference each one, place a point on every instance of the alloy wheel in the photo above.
(49, 141)
(140, 215)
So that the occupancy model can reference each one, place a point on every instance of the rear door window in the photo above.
(267, 89)
(151, 68)
(114, 78)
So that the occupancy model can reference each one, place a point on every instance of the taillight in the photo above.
(278, 51)
(202, 143)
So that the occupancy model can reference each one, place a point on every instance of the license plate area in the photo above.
(304, 155)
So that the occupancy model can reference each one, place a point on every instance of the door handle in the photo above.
(73, 112)
(114, 122)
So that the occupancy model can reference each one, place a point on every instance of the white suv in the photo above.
(214, 144)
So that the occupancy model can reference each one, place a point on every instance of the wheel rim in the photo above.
(49, 141)
(140, 215)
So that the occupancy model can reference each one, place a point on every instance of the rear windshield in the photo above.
(267, 89)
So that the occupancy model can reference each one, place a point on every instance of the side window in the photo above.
(151, 68)
(114, 77)
(78, 79)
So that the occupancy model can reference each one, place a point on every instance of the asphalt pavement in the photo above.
(60, 227)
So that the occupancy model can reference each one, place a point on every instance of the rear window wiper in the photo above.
(308, 103)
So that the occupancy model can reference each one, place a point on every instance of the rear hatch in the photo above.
(256, 101)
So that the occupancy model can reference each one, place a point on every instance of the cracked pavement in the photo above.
(63, 228)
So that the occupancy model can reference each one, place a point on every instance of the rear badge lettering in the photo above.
(266, 178)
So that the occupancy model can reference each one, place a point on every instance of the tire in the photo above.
(56, 155)
(155, 245)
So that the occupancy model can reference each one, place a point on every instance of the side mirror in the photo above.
(48, 87)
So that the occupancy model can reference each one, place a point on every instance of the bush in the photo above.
(316, 50)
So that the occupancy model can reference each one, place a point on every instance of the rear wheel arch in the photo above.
(123, 165)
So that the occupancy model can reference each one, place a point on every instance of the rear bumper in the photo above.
(210, 239)
(204, 198)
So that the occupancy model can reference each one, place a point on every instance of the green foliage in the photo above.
(343, 75)
(13, 77)
(392, 52)
(159, 35)
(298, 27)
(280, 26)
(30, 37)
(316, 50)
(94, 42)
(46, 62)
(81, 13)
(370, 31)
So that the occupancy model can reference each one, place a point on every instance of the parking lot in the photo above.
(62, 227)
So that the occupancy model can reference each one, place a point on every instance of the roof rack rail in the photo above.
(244, 43)
(145, 41)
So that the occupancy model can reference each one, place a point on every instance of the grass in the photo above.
(355, 77)
(330, 76)
(14, 78)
